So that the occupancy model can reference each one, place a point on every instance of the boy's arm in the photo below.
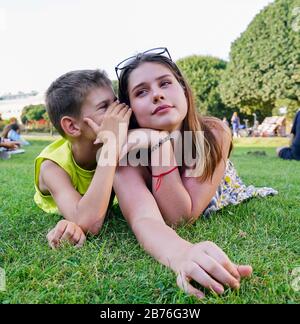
(204, 262)
(87, 211)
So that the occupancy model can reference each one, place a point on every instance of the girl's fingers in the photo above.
(184, 284)
(244, 270)
(220, 256)
(199, 275)
(217, 271)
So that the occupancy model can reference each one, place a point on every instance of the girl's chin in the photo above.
(164, 125)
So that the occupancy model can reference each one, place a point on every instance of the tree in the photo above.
(264, 65)
(204, 74)
(33, 112)
(115, 85)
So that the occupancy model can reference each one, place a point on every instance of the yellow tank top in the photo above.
(60, 152)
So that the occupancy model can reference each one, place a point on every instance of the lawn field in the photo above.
(113, 268)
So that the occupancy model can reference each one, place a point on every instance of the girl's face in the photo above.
(156, 97)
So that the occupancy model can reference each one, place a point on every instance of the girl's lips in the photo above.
(160, 108)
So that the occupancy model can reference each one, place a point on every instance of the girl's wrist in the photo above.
(178, 257)
(162, 156)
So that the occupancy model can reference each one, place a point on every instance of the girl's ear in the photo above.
(70, 126)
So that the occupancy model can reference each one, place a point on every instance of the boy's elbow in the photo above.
(91, 227)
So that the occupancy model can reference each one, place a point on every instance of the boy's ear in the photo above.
(70, 126)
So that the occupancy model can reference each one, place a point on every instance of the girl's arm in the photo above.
(183, 198)
(204, 262)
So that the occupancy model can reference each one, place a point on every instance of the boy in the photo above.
(67, 177)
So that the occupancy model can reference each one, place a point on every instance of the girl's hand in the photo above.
(142, 138)
(208, 265)
(66, 231)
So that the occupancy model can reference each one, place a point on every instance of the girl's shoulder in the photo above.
(221, 132)
(217, 126)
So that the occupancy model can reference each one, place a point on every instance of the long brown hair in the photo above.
(210, 153)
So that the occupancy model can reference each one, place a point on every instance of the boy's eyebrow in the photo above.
(106, 101)
(157, 79)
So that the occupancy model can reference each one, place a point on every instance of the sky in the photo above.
(42, 39)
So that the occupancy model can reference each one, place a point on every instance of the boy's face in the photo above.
(94, 107)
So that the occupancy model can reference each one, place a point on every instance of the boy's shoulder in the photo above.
(53, 158)
(54, 146)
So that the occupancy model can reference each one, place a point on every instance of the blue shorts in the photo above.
(286, 154)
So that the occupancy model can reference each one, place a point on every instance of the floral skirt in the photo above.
(232, 191)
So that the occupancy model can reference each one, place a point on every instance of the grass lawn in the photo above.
(112, 268)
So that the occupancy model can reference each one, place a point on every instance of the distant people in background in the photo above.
(12, 132)
(235, 123)
(7, 147)
(293, 151)
(225, 121)
(7, 128)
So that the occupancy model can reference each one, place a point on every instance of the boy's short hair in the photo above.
(66, 94)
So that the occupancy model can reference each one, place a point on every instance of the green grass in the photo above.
(112, 268)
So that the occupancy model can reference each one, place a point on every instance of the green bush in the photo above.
(3, 123)
(204, 74)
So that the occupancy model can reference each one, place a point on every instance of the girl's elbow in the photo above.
(183, 218)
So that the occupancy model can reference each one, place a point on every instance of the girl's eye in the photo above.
(165, 83)
(140, 93)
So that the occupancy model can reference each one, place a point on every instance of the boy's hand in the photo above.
(66, 231)
(115, 115)
(208, 265)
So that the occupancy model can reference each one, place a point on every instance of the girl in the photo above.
(162, 100)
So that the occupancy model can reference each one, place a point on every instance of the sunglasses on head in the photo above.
(154, 51)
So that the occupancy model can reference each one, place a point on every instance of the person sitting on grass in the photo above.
(68, 179)
(7, 147)
(293, 151)
(14, 134)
